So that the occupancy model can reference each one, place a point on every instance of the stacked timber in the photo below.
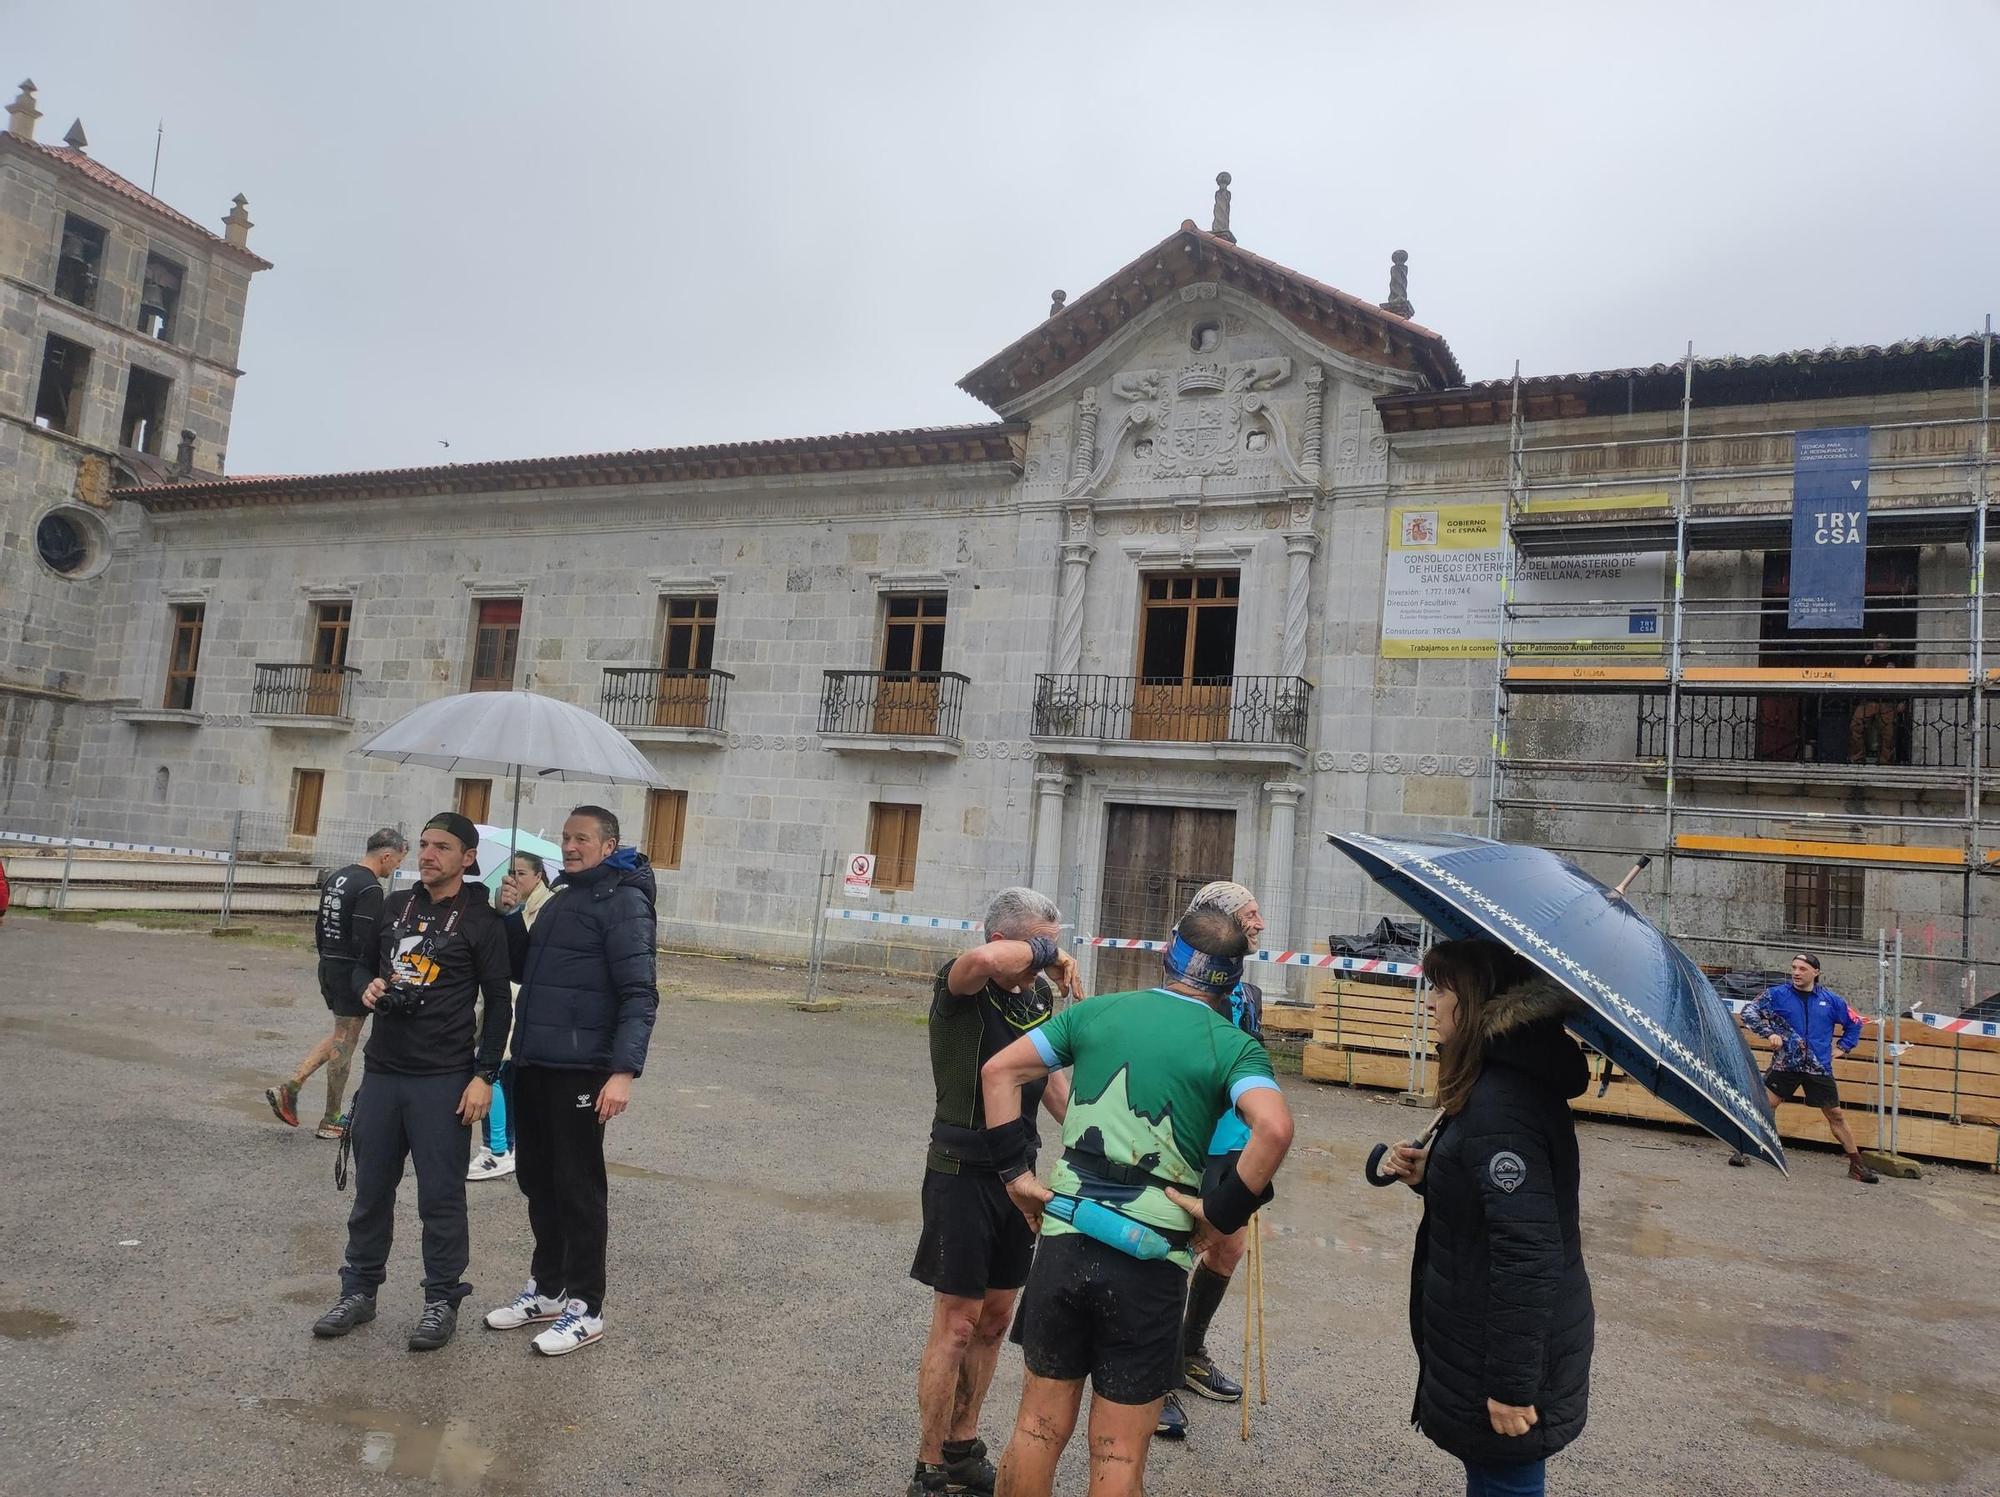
(1950, 1082)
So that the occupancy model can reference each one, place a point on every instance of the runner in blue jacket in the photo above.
(1802, 1016)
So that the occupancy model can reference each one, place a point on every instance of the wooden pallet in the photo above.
(1922, 1131)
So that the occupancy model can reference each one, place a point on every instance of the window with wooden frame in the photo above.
(666, 822)
(892, 838)
(496, 644)
(1187, 656)
(1824, 900)
(687, 651)
(307, 787)
(473, 799)
(183, 655)
(912, 657)
(332, 623)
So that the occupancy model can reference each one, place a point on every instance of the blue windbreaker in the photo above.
(1803, 1025)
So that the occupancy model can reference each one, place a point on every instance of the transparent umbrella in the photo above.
(513, 733)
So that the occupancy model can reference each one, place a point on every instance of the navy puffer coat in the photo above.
(1499, 1301)
(589, 985)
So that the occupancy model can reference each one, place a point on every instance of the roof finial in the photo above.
(1056, 300)
(22, 114)
(236, 227)
(1399, 286)
(76, 140)
(1220, 228)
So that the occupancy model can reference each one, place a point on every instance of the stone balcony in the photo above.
(659, 704)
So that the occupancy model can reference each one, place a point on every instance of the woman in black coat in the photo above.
(1499, 1301)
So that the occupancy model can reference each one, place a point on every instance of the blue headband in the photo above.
(1198, 969)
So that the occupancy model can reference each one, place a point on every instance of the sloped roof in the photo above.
(103, 176)
(1913, 365)
(1185, 257)
(847, 452)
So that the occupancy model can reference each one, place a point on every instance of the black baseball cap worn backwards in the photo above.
(462, 828)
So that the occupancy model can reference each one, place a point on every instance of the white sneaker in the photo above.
(527, 1309)
(487, 1165)
(575, 1327)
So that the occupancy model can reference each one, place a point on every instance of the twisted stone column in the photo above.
(1300, 549)
(1076, 557)
(1084, 456)
(1310, 440)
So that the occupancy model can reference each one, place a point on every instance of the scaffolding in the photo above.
(1724, 687)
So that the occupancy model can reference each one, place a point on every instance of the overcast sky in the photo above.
(532, 228)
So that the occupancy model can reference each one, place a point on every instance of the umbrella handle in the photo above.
(1374, 1158)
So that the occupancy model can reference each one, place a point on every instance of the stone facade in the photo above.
(1202, 414)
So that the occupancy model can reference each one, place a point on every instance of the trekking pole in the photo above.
(1881, 1038)
(1257, 1252)
(1249, 1320)
(1896, 1059)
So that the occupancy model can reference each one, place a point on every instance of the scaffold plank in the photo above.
(1849, 852)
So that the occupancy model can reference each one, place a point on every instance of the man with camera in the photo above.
(424, 1087)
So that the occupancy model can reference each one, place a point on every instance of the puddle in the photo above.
(1897, 1459)
(80, 1040)
(396, 1442)
(270, 1034)
(881, 1208)
(34, 1325)
(311, 1295)
(317, 1247)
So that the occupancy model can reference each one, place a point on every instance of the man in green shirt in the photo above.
(1152, 1073)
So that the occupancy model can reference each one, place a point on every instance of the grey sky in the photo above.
(526, 229)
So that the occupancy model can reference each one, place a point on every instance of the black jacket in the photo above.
(456, 962)
(1499, 1300)
(586, 969)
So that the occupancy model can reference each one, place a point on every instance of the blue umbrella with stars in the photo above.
(1643, 1002)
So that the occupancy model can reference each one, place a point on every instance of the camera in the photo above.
(399, 1001)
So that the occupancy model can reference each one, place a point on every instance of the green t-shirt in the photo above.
(1151, 1074)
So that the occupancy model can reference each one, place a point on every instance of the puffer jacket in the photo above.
(1499, 1301)
(588, 980)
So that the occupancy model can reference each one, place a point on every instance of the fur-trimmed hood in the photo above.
(1523, 1028)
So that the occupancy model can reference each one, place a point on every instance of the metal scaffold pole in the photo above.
(1981, 491)
(1682, 503)
(1516, 490)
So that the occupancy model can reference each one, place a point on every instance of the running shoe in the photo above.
(528, 1308)
(574, 1329)
(1856, 1170)
(333, 1130)
(435, 1326)
(284, 1100)
(969, 1471)
(350, 1311)
(1173, 1423)
(487, 1165)
(1200, 1375)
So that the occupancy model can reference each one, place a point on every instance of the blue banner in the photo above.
(1829, 527)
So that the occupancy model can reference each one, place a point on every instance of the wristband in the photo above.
(1043, 952)
(1229, 1203)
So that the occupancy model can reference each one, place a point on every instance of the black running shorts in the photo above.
(1819, 1090)
(336, 986)
(1092, 1311)
(974, 1237)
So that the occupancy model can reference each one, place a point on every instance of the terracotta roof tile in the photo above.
(913, 447)
(97, 172)
(1188, 255)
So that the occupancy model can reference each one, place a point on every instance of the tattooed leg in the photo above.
(316, 1057)
(346, 1035)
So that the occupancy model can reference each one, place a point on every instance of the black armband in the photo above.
(1008, 1148)
(1044, 952)
(1229, 1204)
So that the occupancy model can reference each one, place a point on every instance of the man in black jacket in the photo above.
(350, 907)
(588, 995)
(423, 1086)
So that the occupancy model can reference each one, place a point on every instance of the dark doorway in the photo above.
(1155, 857)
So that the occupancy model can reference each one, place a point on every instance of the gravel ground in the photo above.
(166, 1245)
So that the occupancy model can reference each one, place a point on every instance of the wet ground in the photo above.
(164, 1246)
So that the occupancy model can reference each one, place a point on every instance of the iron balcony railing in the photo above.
(924, 704)
(301, 690)
(660, 697)
(1920, 732)
(1212, 709)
